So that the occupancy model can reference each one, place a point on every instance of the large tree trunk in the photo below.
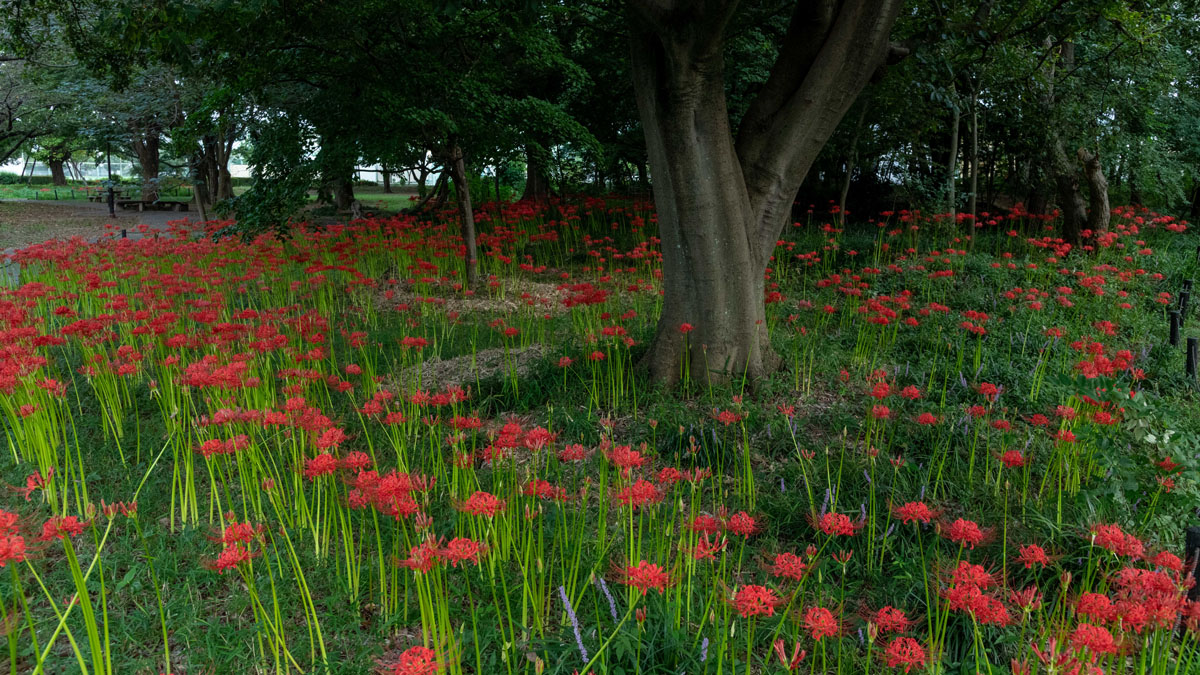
(57, 175)
(1098, 212)
(146, 149)
(458, 171)
(1070, 201)
(387, 181)
(343, 193)
(537, 184)
(224, 177)
(721, 206)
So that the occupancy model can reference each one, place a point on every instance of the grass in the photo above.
(244, 393)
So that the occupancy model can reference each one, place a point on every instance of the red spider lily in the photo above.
(230, 557)
(914, 512)
(640, 494)
(1111, 537)
(1013, 459)
(927, 419)
(12, 548)
(965, 533)
(625, 457)
(423, 557)
(1167, 560)
(1028, 599)
(416, 661)
(321, 465)
(837, 524)
(707, 549)
(58, 527)
(905, 652)
(707, 524)
(754, 600)
(727, 417)
(741, 523)
(1095, 606)
(543, 489)
(463, 550)
(891, 620)
(821, 623)
(356, 461)
(789, 566)
(482, 504)
(1096, 639)
(645, 576)
(573, 453)
(686, 328)
(239, 533)
(35, 481)
(797, 655)
(1031, 555)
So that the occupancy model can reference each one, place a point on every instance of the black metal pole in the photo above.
(1193, 350)
(1191, 551)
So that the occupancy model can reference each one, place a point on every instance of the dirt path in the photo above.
(26, 221)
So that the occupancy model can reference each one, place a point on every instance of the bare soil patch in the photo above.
(30, 222)
(461, 371)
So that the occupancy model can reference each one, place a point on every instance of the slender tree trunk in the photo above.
(850, 161)
(952, 163)
(497, 177)
(387, 181)
(462, 186)
(438, 187)
(146, 149)
(57, 175)
(422, 175)
(721, 207)
(1098, 212)
(199, 185)
(973, 198)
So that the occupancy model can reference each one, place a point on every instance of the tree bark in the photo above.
(387, 181)
(721, 206)
(1070, 201)
(537, 184)
(343, 193)
(146, 149)
(1098, 211)
(462, 186)
(57, 175)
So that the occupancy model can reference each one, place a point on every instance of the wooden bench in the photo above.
(159, 205)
